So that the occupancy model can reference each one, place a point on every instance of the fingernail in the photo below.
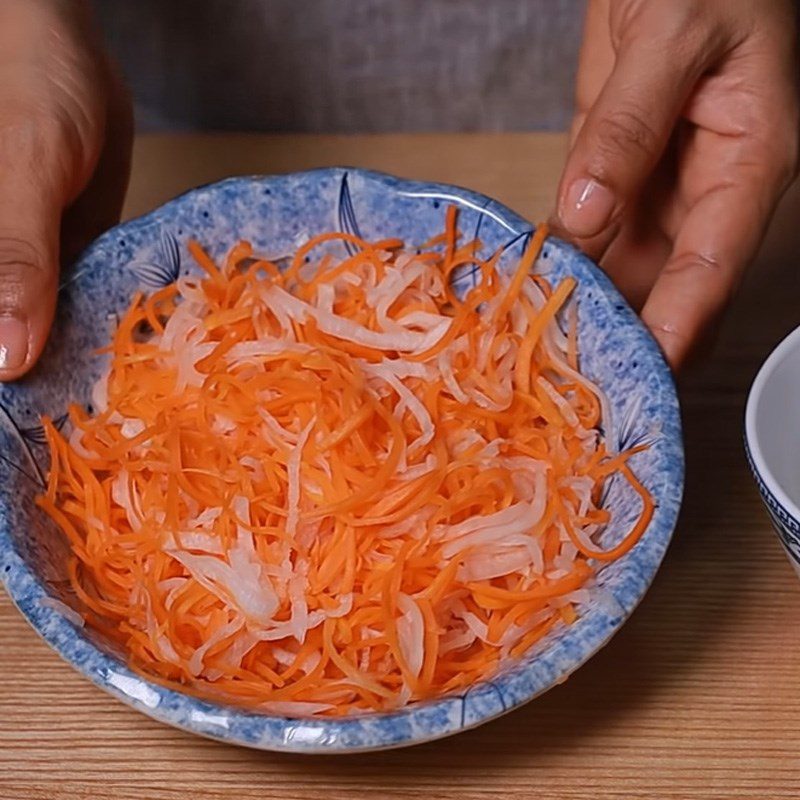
(587, 207)
(13, 342)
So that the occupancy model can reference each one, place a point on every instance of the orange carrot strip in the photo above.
(261, 481)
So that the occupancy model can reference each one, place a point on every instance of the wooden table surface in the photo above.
(697, 697)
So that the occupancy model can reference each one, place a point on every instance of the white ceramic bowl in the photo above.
(772, 440)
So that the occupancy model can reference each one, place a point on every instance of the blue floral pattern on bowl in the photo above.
(276, 214)
(785, 525)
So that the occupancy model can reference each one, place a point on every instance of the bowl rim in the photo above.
(330, 735)
(758, 458)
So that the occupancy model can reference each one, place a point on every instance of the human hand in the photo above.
(65, 138)
(685, 137)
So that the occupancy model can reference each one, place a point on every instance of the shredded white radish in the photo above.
(196, 661)
(324, 470)
(295, 708)
(293, 472)
(253, 597)
(411, 633)
(343, 328)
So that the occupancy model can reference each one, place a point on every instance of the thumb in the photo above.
(30, 216)
(627, 129)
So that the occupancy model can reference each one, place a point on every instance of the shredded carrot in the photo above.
(342, 487)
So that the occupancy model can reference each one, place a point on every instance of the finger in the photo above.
(595, 62)
(100, 204)
(633, 260)
(628, 127)
(575, 126)
(47, 127)
(707, 264)
(30, 212)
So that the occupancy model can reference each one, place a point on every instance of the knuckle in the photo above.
(693, 266)
(23, 270)
(665, 23)
(21, 133)
(626, 131)
(676, 21)
(32, 142)
(19, 254)
(44, 142)
(692, 262)
(679, 336)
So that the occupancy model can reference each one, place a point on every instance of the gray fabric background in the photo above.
(347, 65)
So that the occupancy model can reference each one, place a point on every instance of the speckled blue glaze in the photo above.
(275, 214)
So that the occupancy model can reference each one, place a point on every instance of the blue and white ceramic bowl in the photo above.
(276, 214)
(772, 441)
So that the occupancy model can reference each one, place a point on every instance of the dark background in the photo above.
(347, 66)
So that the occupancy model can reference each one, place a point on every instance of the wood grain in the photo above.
(697, 697)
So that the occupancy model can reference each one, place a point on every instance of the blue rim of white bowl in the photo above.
(783, 511)
(415, 723)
